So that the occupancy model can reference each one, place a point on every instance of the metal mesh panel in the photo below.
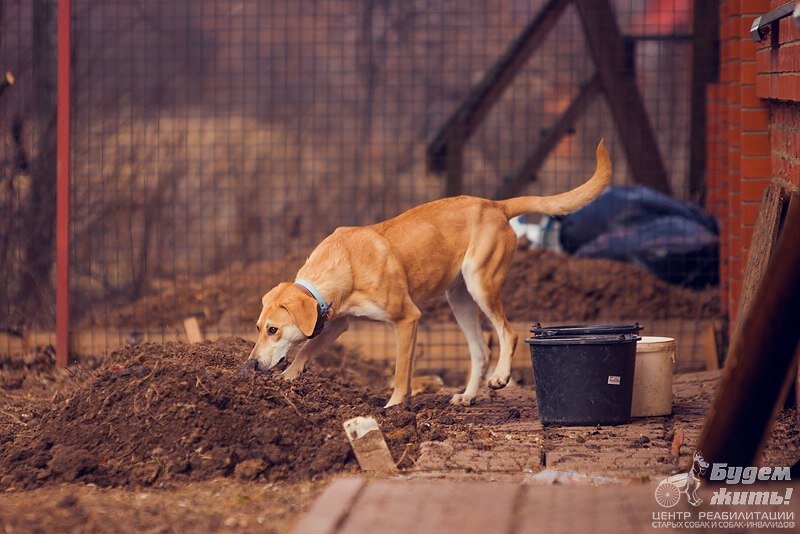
(215, 143)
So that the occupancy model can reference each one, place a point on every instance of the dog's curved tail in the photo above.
(570, 201)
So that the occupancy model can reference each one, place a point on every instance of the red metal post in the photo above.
(62, 185)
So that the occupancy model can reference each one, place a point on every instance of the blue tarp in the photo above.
(677, 241)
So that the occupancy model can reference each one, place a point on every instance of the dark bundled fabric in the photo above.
(677, 241)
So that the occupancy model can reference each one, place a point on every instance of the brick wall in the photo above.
(753, 130)
(739, 146)
(785, 133)
(778, 83)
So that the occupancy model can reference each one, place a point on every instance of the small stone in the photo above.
(249, 469)
(67, 501)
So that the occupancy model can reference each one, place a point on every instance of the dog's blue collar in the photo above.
(323, 308)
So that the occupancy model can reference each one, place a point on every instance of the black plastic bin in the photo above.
(584, 379)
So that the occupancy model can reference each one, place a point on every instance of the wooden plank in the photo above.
(331, 508)
(481, 98)
(193, 331)
(455, 166)
(527, 171)
(705, 70)
(797, 379)
(607, 47)
(765, 235)
(764, 351)
(433, 506)
(710, 346)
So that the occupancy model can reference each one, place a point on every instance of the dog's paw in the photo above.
(460, 399)
(396, 399)
(497, 382)
(290, 374)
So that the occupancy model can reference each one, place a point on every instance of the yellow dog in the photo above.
(461, 246)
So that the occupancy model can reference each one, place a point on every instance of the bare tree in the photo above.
(39, 215)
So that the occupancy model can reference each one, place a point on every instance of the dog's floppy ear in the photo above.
(303, 310)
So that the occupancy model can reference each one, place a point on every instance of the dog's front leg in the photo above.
(406, 337)
(329, 334)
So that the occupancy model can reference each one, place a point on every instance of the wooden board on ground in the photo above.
(194, 333)
(456, 506)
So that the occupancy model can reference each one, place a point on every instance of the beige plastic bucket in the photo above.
(652, 381)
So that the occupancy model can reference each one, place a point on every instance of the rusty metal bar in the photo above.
(62, 184)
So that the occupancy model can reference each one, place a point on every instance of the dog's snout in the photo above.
(250, 366)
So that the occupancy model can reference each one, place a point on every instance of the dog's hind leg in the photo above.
(468, 319)
(484, 271)
(329, 334)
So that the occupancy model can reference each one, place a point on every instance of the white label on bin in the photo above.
(614, 380)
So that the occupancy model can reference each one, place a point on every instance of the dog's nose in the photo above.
(248, 367)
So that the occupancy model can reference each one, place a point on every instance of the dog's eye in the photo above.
(272, 330)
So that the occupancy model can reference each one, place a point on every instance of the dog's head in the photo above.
(288, 316)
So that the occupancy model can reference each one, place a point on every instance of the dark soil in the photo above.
(35, 373)
(543, 285)
(156, 414)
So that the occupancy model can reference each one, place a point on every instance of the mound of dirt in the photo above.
(156, 414)
(543, 285)
(35, 373)
(229, 297)
(540, 285)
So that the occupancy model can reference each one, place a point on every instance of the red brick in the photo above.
(748, 97)
(756, 167)
(748, 49)
(788, 58)
(755, 120)
(753, 189)
(747, 72)
(788, 32)
(762, 85)
(755, 6)
(755, 144)
(749, 213)
(763, 60)
(744, 29)
(786, 86)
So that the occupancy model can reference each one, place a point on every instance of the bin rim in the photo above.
(567, 330)
(655, 344)
(609, 339)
